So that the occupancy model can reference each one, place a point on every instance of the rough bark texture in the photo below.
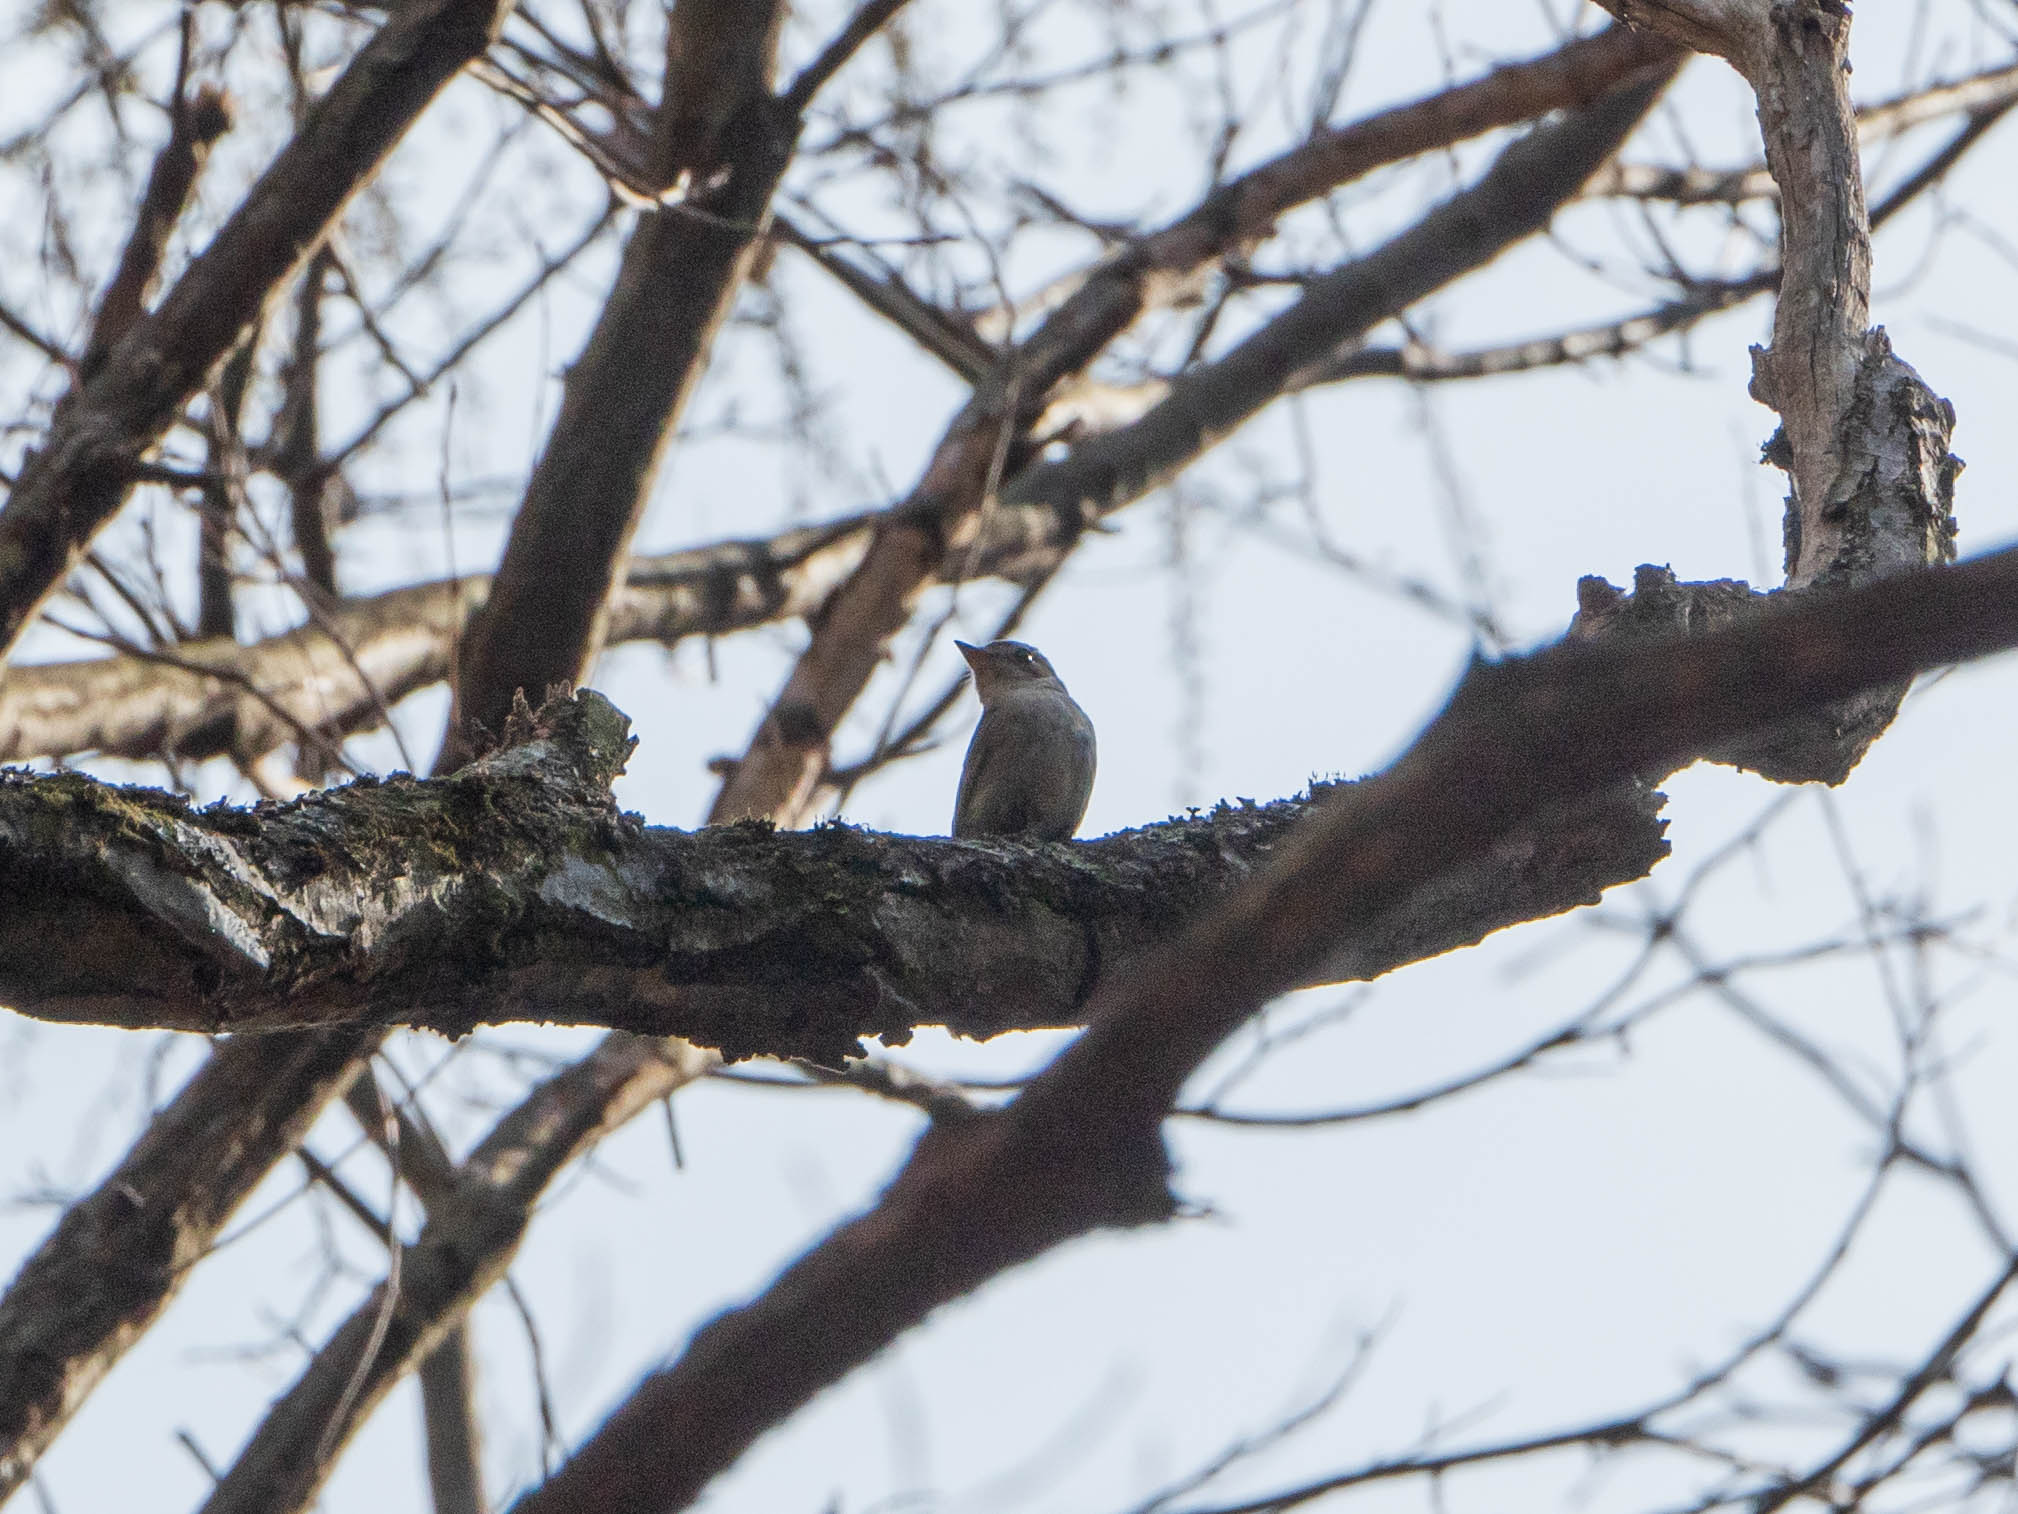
(1796, 66)
(1079, 1149)
(1863, 440)
(73, 483)
(135, 1237)
(512, 891)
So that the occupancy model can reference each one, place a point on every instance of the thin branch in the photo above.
(458, 1254)
(1080, 1148)
(952, 507)
(67, 1317)
(863, 25)
(76, 480)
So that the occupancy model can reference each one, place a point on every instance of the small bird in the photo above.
(1029, 768)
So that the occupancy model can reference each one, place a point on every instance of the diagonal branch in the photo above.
(119, 1255)
(471, 1236)
(1080, 1149)
(402, 640)
(1990, 92)
(76, 481)
(720, 134)
(936, 525)
(863, 25)
(194, 124)
(1514, 199)
(952, 341)
(447, 1373)
(245, 1109)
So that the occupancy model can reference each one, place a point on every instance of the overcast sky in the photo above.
(1556, 1246)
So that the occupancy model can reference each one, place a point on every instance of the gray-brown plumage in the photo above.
(1029, 767)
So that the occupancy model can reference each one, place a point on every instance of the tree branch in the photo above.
(117, 1257)
(720, 133)
(937, 524)
(75, 482)
(1515, 198)
(863, 25)
(1990, 92)
(1863, 440)
(536, 902)
(1080, 1148)
(137, 1235)
(447, 1373)
(469, 1240)
(194, 124)
(403, 640)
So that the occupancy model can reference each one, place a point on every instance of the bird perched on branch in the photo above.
(1029, 767)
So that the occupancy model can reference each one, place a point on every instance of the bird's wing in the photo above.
(1087, 762)
(981, 752)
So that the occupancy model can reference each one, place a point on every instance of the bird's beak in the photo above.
(975, 655)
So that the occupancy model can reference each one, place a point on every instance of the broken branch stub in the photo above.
(1862, 439)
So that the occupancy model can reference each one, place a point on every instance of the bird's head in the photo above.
(1002, 667)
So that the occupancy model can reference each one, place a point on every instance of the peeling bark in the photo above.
(1863, 440)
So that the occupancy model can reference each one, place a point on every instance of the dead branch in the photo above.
(1863, 440)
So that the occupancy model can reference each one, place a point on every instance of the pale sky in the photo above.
(1557, 1246)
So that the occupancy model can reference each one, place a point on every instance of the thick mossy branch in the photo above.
(513, 890)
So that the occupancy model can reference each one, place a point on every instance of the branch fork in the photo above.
(1862, 438)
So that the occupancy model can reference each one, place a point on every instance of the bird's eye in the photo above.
(1029, 658)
